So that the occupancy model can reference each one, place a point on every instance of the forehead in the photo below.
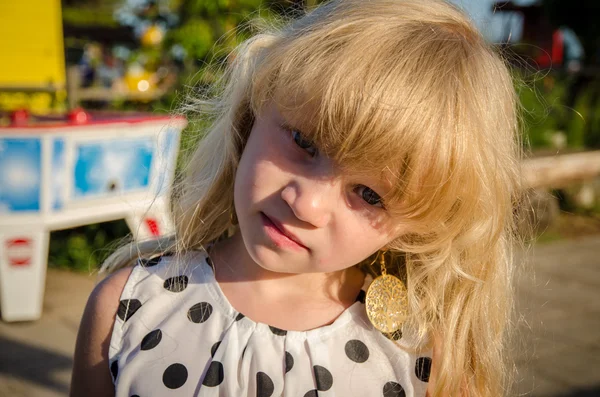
(295, 110)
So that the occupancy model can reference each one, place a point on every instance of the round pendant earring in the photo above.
(386, 302)
(233, 217)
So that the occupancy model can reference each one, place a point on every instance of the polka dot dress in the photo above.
(176, 334)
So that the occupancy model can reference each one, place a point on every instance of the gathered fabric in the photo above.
(176, 334)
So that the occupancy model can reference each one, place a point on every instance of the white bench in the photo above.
(62, 173)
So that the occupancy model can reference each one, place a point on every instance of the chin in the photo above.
(274, 261)
(263, 256)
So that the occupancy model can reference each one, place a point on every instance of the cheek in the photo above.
(256, 176)
(244, 177)
(353, 241)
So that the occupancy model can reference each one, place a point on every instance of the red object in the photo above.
(79, 116)
(553, 56)
(19, 251)
(51, 123)
(19, 117)
(152, 226)
(557, 47)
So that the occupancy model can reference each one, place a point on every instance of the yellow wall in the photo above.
(31, 44)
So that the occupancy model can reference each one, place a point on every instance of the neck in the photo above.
(233, 264)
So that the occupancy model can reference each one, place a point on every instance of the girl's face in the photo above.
(297, 212)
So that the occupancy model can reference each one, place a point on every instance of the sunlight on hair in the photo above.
(405, 88)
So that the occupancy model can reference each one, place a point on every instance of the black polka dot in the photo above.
(149, 262)
(214, 375)
(323, 378)
(135, 395)
(423, 368)
(127, 308)
(176, 284)
(151, 340)
(175, 376)
(214, 348)
(289, 362)
(357, 351)
(200, 312)
(361, 296)
(311, 393)
(239, 317)
(278, 331)
(114, 369)
(264, 385)
(393, 389)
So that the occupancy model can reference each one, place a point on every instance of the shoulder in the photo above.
(103, 302)
(91, 375)
(108, 291)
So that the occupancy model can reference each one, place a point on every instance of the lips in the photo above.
(281, 229)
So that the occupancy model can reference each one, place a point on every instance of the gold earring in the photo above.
(233, 217)
(386, 302)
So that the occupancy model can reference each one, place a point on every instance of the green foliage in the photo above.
(195, 36)
(588, 108)
(545, 113)
(84, 248)
(208, 8)
(539, 117)
(210, 29)
(82, 15)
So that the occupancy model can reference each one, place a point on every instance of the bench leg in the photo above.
(23, 259)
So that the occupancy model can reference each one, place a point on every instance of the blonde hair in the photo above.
(406, 87)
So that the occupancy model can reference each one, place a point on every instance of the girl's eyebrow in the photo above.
(384, 177)
(293, 124)
(377, 183)
(297, 116)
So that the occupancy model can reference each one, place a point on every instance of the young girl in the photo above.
(344, 227)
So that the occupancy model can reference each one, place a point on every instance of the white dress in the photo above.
(176, 334)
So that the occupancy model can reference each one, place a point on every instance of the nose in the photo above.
(311, 201)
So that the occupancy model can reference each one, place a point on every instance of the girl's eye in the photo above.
(304, 143)
(369, 196)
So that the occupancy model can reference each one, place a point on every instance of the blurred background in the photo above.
(63, 60)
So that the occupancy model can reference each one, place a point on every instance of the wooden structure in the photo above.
(561, 170)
